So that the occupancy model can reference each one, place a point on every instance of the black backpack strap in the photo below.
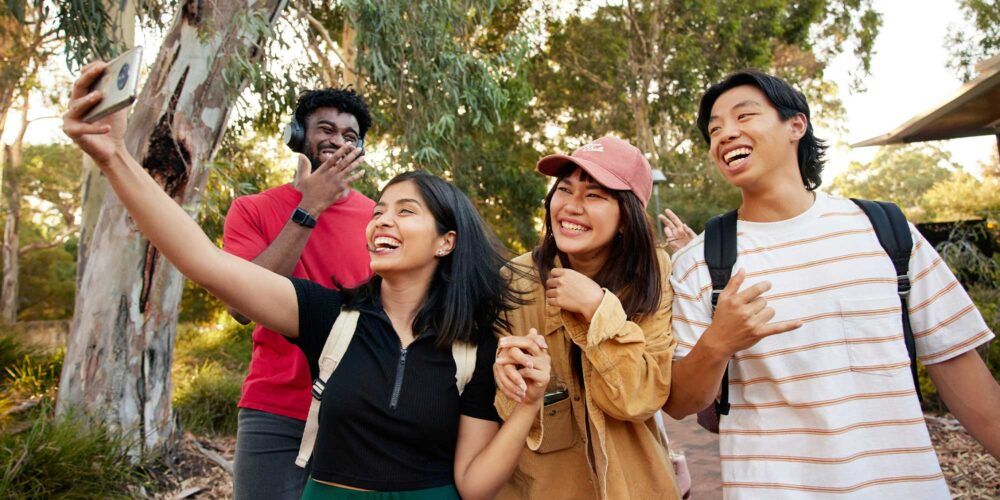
(720, 255)
(894, 235)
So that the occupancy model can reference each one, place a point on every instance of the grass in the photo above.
(34, 376)
(67, 457)
(42, 456)
(46, 457)
(205, 399)
(210, 364)
(28, 374)
(227, 343)
(12, 351)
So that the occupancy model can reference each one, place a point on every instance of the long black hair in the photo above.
(789, 102)
(632, 271)
(469, 290)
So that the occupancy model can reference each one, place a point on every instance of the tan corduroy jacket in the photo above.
(601, 441)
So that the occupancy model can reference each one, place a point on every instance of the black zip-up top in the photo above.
(389, 416)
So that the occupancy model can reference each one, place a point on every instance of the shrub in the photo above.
(228, 343)
(205, 399)
(980, 275)
(210, 363)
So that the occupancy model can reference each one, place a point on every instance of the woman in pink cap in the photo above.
(601, 300)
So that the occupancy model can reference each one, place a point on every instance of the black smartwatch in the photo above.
(302, 218)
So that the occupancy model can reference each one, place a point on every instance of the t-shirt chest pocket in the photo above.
(873, 334)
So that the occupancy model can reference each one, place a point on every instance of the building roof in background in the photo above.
(973, 110)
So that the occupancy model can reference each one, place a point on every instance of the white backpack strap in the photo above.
(333, 351)
(465, 363)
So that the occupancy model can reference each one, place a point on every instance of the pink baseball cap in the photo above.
(612, 162)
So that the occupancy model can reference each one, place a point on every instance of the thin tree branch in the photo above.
(33, 120)
(226, 465)
(25, 250)
(323, 33)
(327, 73)
(575, 62)
(59, 239)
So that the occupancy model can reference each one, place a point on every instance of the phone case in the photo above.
(119, 85)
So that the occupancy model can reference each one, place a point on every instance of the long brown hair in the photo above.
(632, 271)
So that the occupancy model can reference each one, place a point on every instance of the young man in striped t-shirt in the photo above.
(823, 402)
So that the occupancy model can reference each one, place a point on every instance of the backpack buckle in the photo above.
(903, 285)
(317, 389)
(722, 407)
(715, 298)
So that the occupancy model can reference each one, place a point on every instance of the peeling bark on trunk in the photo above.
(118, 358)
(94, 184)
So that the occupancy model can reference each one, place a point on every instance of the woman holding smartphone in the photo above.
(601, 299)
(392, 423)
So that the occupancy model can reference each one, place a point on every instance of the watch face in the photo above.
(303, 218)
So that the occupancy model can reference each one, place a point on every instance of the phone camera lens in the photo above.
(123, 76)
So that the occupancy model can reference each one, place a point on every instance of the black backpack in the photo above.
(893, 234)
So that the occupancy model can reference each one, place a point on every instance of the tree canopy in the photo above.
(638, 70)
(925, 182)
(901, 174)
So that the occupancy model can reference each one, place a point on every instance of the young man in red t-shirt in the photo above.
(313, 228)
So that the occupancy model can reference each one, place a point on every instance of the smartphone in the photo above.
(118, 85)
(555, 396)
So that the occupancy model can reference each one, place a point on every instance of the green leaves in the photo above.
(446, 82)
(88, 31)
(969, 46)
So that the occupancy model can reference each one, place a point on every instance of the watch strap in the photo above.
(301, 217)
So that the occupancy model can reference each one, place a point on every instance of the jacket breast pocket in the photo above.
(873, 334)
(558, 428)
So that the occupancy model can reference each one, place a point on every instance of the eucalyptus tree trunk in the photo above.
(23, 48)
(118, 358)
(11, 246)
(94, 185)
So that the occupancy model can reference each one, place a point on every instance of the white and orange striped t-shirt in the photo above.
(829, 409)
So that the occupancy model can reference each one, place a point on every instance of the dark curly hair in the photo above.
(344, 100)
(789, 102)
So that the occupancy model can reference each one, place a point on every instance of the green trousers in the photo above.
(319, 491)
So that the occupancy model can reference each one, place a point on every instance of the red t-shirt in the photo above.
(279, 380)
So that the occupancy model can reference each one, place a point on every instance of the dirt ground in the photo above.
(970, 471)
(193, 474)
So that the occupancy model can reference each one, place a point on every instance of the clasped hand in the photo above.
(523, 368)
